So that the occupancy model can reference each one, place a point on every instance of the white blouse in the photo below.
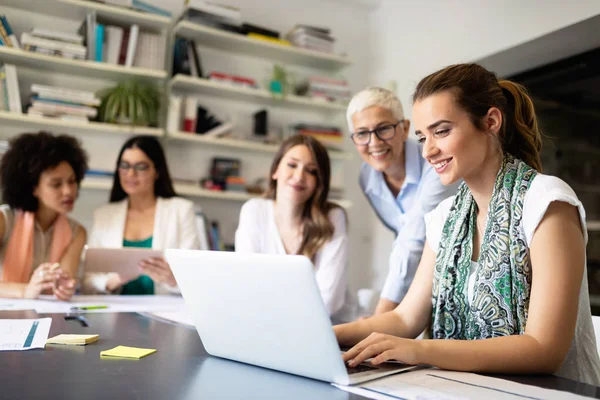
(257, 233)
(582, 362)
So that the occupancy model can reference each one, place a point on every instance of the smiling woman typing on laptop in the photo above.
(296, 217)
(503, 272)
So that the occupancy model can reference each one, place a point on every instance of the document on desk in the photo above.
(435, 384)
(24, 334)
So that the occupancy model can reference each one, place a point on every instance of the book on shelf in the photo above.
(190, 114)
(251, 28)
(148, 6)
(84, 97)
(131, 44)
(311, 37)
(233, 80)
(213, 20)
(150, 51)
(57, 35)
(331, 137)
(336, 90)
(10, 89)
(88, 31)
(122, 3)
(186, 59)
(269, 39)
(99, 42)
(224, 11)
(8, 35)
(202, 227)
(35, 43)
(112, 45)
(62, 103)
(174, 114)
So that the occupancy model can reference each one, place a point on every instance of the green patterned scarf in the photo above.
(503, 275)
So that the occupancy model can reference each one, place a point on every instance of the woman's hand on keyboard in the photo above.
(381, 348)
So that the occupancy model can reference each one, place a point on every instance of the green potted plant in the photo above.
(279, 84)
(131, 102)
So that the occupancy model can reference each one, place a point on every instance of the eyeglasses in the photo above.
(383, 133)
(124, 166)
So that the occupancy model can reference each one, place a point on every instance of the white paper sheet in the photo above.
(24, 334)
(113, 303)
(434, 384)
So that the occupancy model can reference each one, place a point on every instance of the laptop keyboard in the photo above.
(359, 368)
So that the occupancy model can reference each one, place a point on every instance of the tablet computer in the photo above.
(122, 261)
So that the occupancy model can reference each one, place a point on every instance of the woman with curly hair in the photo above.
(296, 218)
(40, 246)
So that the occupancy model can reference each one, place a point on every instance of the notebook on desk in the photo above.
(265, 310)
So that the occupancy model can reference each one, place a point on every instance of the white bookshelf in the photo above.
(241, 44)
(56, 64)
(189, 84)
(28, 122)
(77, 10)
(240, 144)
(189, 190)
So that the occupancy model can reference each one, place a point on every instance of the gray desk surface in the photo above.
(180, 369)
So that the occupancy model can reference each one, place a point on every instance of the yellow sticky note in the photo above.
(127, 352)
(71, 339)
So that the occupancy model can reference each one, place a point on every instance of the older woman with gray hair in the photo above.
(400, 185)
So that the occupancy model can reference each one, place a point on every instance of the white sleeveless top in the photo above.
(582, 362)
(41, 240)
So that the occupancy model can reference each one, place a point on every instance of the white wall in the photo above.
(412, 38)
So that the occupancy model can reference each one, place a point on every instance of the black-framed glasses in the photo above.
(383, 133)
(124, 166)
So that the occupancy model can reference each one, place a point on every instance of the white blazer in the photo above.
(174, 228)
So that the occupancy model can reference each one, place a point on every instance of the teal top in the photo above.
(142, 284)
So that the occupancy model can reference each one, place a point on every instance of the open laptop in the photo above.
(265, 310)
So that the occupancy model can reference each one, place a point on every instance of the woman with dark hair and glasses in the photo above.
(397, 181)
(144, 211)
(40, 247)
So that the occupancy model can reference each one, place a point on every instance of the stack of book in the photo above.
(311, 37)
(215, 15)
(10, 98)
(7, 36)
(323, 88)
(331, 137)
(54, 43)
(65, 104)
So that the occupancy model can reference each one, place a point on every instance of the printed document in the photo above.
(24, 334)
